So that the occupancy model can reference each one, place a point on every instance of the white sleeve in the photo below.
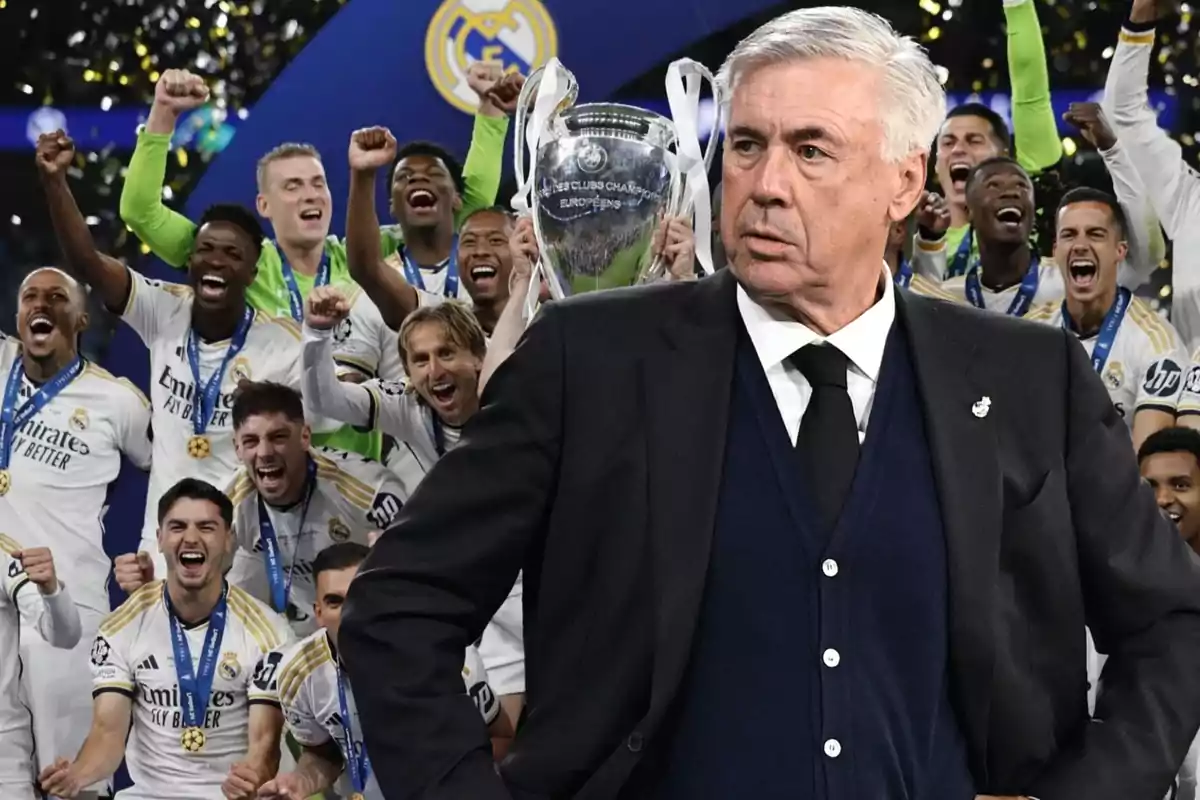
(356, 341)
(502, 646)
(388, 499)
(110, 665)
(324, 395)
(53, 615)
(1171, 185)
(1146, 246)
(929, 258)
(151, 302)
(476, 682)
(395, 411)
(135, 427)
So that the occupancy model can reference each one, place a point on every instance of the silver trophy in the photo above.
(604, 175)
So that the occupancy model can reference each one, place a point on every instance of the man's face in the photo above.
(423, 193)
(484, 259)
(196, 543)
(1088, 247)
(1175, 479)
(332, 585)
(443, 373)
(806, 190)
(962, 143)
(295, 198)
(222, 265)
(274, 450)
(1001, 202)
(50, 313)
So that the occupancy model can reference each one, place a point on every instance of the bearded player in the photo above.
(64, 425)
(176, 671)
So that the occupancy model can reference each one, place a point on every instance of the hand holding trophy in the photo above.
(601, 177)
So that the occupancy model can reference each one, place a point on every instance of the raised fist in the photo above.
(133, 571)
(1092, 124)
(179, 90)
(38, 565)
(372, 148)
(676, 244)
(327, 307)
(506, 92)
(1153, 10)
(933, 215)
(54, 152)
(482, 77)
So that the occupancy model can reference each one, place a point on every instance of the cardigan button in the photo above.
(833, 748)
(829, 567)
(635, 742)
(831, 657)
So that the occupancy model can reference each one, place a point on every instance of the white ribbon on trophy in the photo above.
(553, 88)
(684, 78)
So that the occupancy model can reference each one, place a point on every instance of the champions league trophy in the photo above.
(603, 175)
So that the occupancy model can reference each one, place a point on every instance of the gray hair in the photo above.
(913, 103)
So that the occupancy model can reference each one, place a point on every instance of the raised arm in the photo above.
(511, 323)
(370, 150)
(1035, 130)
(1146, 245)
(436, 577)
(101, 753)
(1173, 188)
(484, 164)
(44, 603)
(103, 273)
(325, 395)
(167, 233)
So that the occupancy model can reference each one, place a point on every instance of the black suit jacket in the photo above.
(595, 463)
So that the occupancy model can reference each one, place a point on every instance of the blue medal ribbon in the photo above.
(1108, 329)
(195, 685)
(412, 273)
(204, 401)
(295, 300)
(961, 261)
(439, 433)
(12, 417)
(358, 763)
(1025, 294)
(281, 585)
(904, 274)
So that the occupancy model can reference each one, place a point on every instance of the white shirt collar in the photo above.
(775, 336)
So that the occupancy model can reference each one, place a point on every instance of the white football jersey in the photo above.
(161, 314)
(133, 655)
(1189, 400)
(57, 620)
(353, 497)
(62, 463)
(1050, 290)
(1146, 364)
(434, 290)
(364, 343)
(306, 676)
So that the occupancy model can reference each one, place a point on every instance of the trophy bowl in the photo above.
(603, 178)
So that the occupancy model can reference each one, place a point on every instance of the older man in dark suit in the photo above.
(789, 531)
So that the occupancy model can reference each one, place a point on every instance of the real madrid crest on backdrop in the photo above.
(518, 33)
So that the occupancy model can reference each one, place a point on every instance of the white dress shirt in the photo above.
(775, 337)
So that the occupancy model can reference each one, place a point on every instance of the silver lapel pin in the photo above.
(982, 406)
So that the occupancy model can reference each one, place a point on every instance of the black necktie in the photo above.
(828, 440)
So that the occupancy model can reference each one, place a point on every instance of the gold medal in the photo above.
(5, 482)
(199, 447)
(192, 740)
(357, 796)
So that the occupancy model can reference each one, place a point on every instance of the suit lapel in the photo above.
(971, 494)
(687, 382)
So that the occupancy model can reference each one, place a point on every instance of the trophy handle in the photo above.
(531, 303)
(684, 77)
(550, 87)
